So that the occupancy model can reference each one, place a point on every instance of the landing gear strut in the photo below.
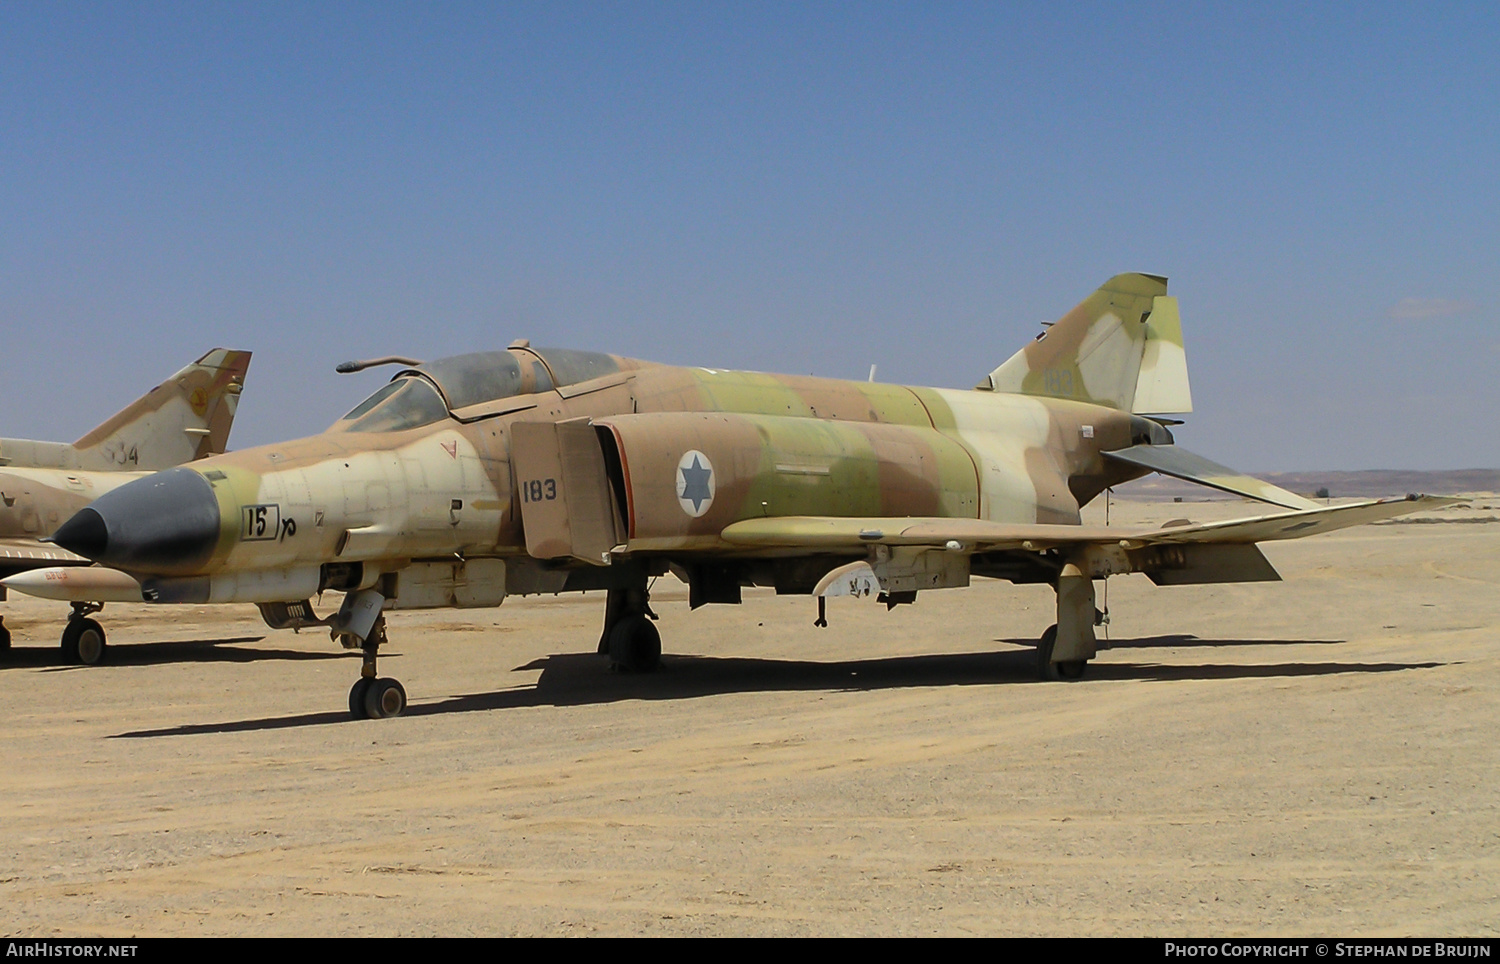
(360, 624)
(1067, 645)
(371, 697)
(630, 638)
(83, 639)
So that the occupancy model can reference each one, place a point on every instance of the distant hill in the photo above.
(1368, 484)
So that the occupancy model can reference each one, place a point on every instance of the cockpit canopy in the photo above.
(430, 391)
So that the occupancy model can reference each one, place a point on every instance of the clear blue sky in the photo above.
(807, 188)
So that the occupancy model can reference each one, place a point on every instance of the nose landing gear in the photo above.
(360, 624)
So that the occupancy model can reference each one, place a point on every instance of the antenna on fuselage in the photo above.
(349, 367)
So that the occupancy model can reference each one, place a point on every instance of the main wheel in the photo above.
(83, 642)
(357, 698)
(1068, 669)
(4, 639)
(635, 645)
(384, 698)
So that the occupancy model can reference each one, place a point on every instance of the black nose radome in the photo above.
(167, 523)
(84, 534)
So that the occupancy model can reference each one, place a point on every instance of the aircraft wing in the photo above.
(19, 555)
(834, 532)
(978, 535)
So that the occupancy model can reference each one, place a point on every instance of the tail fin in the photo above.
(186, 417)
(1121, 347)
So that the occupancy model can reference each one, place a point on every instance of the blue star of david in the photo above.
(695, 483)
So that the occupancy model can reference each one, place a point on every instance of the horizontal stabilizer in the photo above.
(1182, 464)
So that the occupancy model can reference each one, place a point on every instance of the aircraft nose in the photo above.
(167, 523)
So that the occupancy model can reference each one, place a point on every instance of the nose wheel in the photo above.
(376, 699)
(373, 697)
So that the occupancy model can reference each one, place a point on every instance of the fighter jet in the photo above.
(529, 470)
(186, 417)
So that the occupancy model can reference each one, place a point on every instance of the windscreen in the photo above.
(407, 402)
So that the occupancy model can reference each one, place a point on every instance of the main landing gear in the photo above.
(83, 639)
(630, 638)
(1067, 646)
(4, 637)
(359, 624)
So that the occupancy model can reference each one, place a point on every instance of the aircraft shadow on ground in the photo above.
(581, 679)
(1184, 640)
(50, 659)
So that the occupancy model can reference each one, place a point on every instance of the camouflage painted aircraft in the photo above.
(186, 417)
(532, 470)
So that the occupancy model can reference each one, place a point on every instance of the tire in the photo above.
(90, 642)
(1068, 669)
(635, 645)
(385, 698)
(357, 698)
(1071, 669)
(83, 642)
(1044, 653)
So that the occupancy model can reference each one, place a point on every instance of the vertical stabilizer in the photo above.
(186, 417)
(1162, 386)
(1112, 349)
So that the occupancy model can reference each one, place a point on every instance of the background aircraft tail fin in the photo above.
(186, 417)
(1121, 347)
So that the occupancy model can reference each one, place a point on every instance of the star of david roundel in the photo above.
(695, 483)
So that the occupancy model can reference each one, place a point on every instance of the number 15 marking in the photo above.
(260, 523)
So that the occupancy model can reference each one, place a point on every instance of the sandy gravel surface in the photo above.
(1316, 756)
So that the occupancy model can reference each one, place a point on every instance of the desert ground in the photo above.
(1316, 756)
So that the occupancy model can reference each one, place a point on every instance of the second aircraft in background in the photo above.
(42, 484)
